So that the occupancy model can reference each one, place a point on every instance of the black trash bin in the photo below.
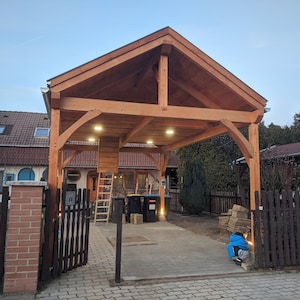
(150, 208)
(134, 205)
(157, 208)
(115, 200)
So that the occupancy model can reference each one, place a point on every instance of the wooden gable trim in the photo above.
(58, 85)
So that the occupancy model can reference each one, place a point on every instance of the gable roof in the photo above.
(20, 128)
(278, 151)
(123, 86)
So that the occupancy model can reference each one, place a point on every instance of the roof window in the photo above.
(2, 129)
(42, 132)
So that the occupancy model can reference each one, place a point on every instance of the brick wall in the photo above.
(23, 239)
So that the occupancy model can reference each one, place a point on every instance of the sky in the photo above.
(256, 40)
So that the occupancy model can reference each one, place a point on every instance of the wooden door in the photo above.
(92, 178)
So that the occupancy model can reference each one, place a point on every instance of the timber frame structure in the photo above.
(138, 92)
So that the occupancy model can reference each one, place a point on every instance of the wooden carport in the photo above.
(138, 92)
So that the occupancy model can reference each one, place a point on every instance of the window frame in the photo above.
(41, 129)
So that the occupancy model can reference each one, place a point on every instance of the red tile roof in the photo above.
(21, 127)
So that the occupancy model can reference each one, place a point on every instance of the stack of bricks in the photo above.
(239, 221)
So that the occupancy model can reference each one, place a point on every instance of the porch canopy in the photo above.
(138, 92)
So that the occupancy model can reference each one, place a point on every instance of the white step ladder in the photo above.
(104, 196)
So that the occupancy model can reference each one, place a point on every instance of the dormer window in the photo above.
(42, 132)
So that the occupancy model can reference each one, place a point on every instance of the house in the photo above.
(24, 152)
(280, 166)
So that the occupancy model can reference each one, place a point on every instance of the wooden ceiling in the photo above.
(126, 87)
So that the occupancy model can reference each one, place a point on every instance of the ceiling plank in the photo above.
(153, 110)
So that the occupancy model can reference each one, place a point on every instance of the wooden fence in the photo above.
(277, 229)
(218, 202)
(71, 233)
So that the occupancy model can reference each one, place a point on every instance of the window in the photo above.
(2, 129)
(41, 132)
(26, 174)
(10, 177)
(45, 175)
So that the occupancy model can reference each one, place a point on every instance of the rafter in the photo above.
(195, 93)
(135, 130)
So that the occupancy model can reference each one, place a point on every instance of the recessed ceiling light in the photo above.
(149, 142)
(169, 131)
(98, 128)
(91, 139)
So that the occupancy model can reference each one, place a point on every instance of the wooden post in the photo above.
(254, 169)
(54, 163)
(163, 82)
(164, 158)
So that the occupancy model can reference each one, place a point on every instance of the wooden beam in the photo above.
(240, 140)
(135, 130)
(163, 82)
(67, 133)
(195, 93)
(254, 163)
(154, 110)
(209, 133)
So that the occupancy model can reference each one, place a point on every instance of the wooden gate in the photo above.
(71, 233)
(3, 227)
(277, 229)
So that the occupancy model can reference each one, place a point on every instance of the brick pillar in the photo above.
(23, 237)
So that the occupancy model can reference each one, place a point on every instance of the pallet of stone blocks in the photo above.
(224, 219)
(136, 219)
(239, 221)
